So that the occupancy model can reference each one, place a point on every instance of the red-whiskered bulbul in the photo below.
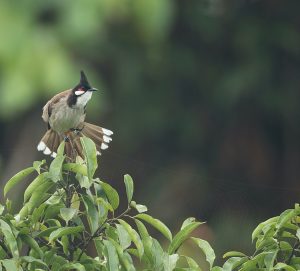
(65, 115)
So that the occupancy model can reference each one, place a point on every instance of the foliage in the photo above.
(68, 211)
(277, 245)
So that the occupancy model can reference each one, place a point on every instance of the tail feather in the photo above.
(99, 135)
(51, 140)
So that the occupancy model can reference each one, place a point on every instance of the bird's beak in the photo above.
(93, 89)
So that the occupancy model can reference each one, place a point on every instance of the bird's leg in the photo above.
(77, 130)
(66, 136)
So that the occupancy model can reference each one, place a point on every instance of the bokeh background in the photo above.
(203, 97)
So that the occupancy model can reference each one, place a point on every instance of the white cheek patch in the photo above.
(79, 92)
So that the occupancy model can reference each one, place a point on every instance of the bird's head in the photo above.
(83, 86)
(81, 93)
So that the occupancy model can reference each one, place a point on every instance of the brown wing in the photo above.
(49, 105)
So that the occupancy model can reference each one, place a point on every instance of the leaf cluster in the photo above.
(277, 246)
(67, 213)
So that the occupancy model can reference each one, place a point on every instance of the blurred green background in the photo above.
(202, 97)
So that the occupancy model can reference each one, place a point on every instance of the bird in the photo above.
(65, 116)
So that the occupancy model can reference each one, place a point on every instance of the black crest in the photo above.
(83, 81)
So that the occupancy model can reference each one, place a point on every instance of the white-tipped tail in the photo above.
(106, 139)
(42, 146)
(107, 132)
(104, 146)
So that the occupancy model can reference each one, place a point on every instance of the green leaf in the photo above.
(269, 259)
(280, 266)
(65, 244)
(233, 254)
(55, 169)
(64, 231)
(11, 264)
(105, 204)
(75, 202)
(284, 217)
(76, 168)
(112, 194)
(38, 164)
(233, 263)
(182, 235)
(139, 207)
(39, 195)
(188, 221)
(30, 259)
(32, 244)
(9, 238)
(142, 229)
(70, 266)
(1, 209)
(47, 232)
(68, 213)
(92, 213)
(260, 227)
(124, 258)
(207, 250)
(192, 263)
(124, 238)
(134, 237)
(40, 180)
(129, 187)
(160, 226)
(17, 178)
(112, 256)
(90, 153)
(170, 261)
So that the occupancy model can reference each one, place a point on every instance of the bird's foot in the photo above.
(76, 130)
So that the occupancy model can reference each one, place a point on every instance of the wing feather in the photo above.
(47, 109)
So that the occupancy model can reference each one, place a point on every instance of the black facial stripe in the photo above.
(72, 99)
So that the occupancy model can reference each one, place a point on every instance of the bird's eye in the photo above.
(79, 92)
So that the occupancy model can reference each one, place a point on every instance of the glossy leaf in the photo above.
(284, 266)
(30, 259)
(112, 195)
(188, 221)
(160, 226)
(55, 169)
(64, 231)
(124, 238)
(76, 168)
(9, 238)
(124, 258)
(192, 263)
(92, 213)
(233, 254)
(181, 236)
(260, 227)
(134, 237)
(11, 264)
(233, 263)
(68, 213)
(17, 179)
(34, 185)
(75, 266)
(90, 153)
(139, 207)
(206, 249)
(170, 261)
(32, 244)
(129, 187)
(112, 256)
(38, 164)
